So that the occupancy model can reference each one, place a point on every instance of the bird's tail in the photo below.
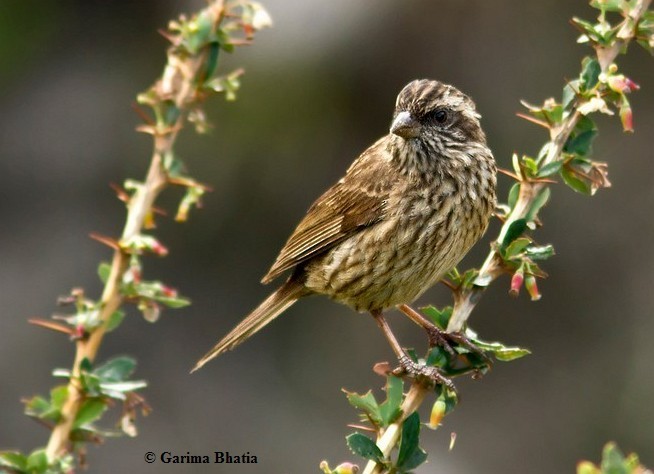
(271, 307)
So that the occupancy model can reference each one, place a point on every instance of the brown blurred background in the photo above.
(319, 88)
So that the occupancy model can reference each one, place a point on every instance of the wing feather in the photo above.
(358, 200)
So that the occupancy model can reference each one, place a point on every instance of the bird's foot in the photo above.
(444, 339)
(416, 370)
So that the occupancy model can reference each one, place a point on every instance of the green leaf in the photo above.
(580, 143)
(367, 404)
(613, 460)
(539, 201)
(104, 269)
(173, 302)
(437, 357)
(13, 460)
(590, 72)
(365, 447)
(529, 164)
(540, 252)
(115, 319)
(91, 410)
(608, 5)
(513, 195)
(58, 396)
(515, 230)
(516, 247)
(411, 455)
(569, 94)
(199, 32)
(86, 365)
(575, 183)
(440, 318)
(580, 140)
(550, 169)
(114, 389)
(117, 369)
(390, 409)
(502, 352)
(37, 462)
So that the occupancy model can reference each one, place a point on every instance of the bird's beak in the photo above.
(405, 126)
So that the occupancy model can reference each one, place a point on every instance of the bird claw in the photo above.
(415, 370)
(444, 339)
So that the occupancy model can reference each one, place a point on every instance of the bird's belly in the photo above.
(390, 263)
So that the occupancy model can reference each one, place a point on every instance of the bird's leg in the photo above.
(441, 338)
(407, 365)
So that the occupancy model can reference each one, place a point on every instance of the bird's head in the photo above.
(436, 114)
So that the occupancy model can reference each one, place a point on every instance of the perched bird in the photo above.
(406, 212)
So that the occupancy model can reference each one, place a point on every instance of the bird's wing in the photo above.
(358, 200)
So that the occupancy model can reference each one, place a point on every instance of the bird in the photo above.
(407, 210)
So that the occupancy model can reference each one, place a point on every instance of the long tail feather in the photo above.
(271, 307)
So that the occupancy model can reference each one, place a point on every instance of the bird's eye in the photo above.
(439, 115)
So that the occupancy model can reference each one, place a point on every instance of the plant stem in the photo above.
(466, 301)
(391, 435)
(178, 83)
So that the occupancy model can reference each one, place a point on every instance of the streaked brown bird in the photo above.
(407, 211)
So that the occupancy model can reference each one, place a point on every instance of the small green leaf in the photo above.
(529, 164)
(540, 252)
(580, 143)
(104, 269)
(199, 31)
(590, 72)
(115, 319)
(58, 396)
(437, 357)
(539, 201)
(390, 409)
(513, 195)
(91, 410)
(515, 230)
(569, 94)
(173, 302)
(411, 455)
(367, 404)
(114, 389)
(516, 247)
(550, 169)
(86, 365)
(365, 447)
(507, 354)
(13, 460)
(117, 369)
(608, 5)
(37, 462)
(440, 318)
(575, 183)
(502, 352)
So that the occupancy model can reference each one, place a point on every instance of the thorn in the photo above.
(105, 240)
(544, 180)
(362, 427)
(142, 113)
(449, 284)
(187, 182)
(149, 129)
(166, 34)
(44, 323)
(509, 173)
(120, 192)
(531, 119)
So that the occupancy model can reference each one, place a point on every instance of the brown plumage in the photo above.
(407, 211)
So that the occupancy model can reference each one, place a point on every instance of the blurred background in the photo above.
(319, 88)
